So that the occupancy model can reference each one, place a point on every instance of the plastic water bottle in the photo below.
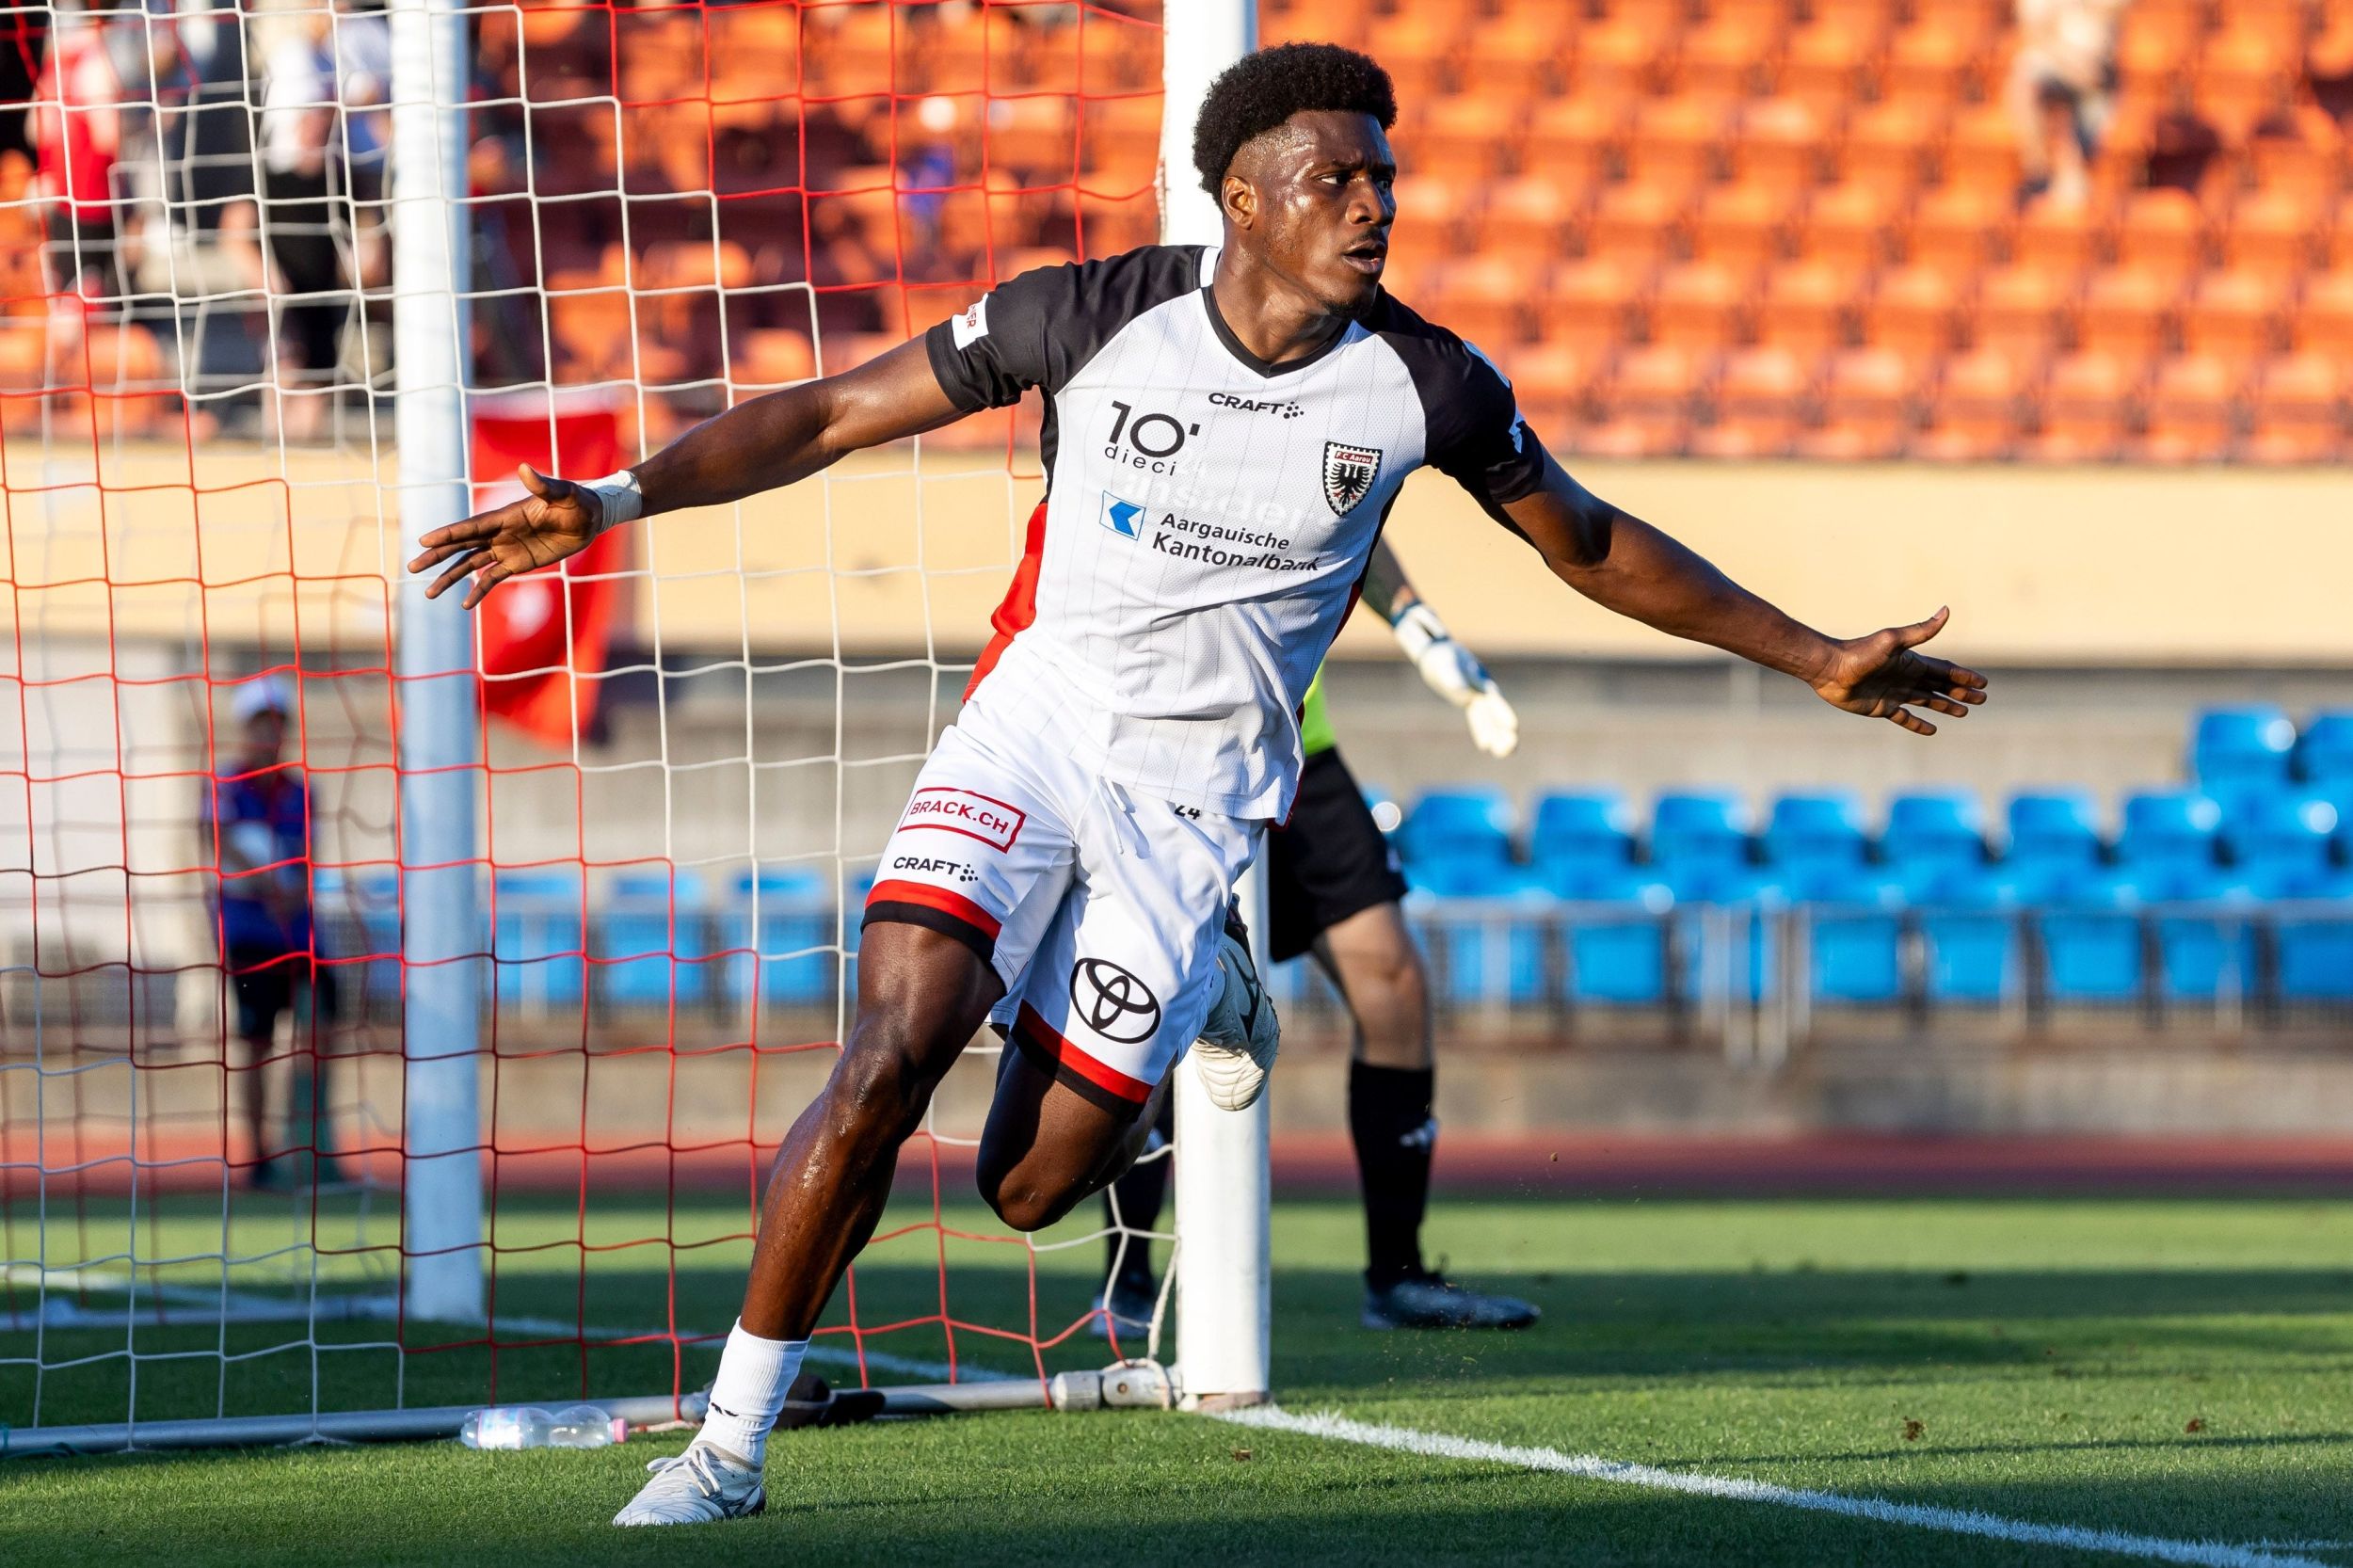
(579, 1425)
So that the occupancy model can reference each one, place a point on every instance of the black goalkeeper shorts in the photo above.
(264, 980)
(1328, 862)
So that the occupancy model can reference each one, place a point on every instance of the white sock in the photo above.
(755, 1375)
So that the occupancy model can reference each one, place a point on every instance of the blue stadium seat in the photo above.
(2239, 751)
(1459, 835)
(1933, 828)
(1690, 830)
(537, 938)
(2324, 753)
(1580, 830)
(2279, 842)
(2204, 954)
(1729, 933)
(1617, 941)
(796, 919)
(1854, 935)
(1969, 934)
(2315, 944)
(2091, 934)
(2169, 830)
(1487, 950)
(1821, 828)
(2054, 837)
(653, 924)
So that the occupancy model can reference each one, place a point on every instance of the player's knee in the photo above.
(876, 1088)
(1022, 1202)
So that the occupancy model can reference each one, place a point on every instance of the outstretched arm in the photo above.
(1447, 667)
(1623, 564)
(758, 445)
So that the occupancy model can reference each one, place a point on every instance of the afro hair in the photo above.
(1259, 92)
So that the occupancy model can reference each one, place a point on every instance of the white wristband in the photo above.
(1419, 629)
(618, 498)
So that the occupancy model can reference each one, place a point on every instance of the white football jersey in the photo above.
(1208, 516)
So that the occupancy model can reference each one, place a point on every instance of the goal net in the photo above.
(395, 1014)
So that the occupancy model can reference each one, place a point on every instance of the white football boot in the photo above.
(1237, 1042)
(704, 1484)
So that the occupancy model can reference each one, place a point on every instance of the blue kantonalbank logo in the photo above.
(1123, 517)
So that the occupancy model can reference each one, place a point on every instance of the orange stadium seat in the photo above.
(2053, 234)
(2297, 413)
(1850, 226)
(1651, 397)
(2274, 232)
(2157, 38)
(1634, 223)
(1982, 150)
(1699, 305)
(2297, 148)
(2324, 321)
(1417, 50)
(1468, 138)
(1806, 306)
(1577, 138)
(1743, 227)
(2237, 316)
(1518, 54)
(1675, 142)
(1486, 298)
(2240, 72)
(1957, 230)
(775, 357)
(1764, 397)
(1973, 414)
(1619, 57)
(1827, 64)
(1939, 57)
(2336, 238)
(1869, 402)
(1531, 215)
(2024, 311)
(2193, 409)
(2087, 408)
(1913, 309)
(1888, 143)
(1781, 144)
(2162, 231)
(1554, 382)
(1590, 304)
(2126, 312)
(1736, 50)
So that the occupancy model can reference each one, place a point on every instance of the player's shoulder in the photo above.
(1149, 273)
(1438, 357)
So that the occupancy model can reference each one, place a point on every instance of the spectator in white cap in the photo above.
(256, 817)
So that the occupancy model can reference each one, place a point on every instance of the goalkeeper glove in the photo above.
(1455, 674)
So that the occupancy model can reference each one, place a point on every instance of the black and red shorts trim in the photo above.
(935, 909)
(1073, 1068)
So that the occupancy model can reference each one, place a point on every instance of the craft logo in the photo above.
(992, 821)
(1348, 474)
(1123, 517)
(1114, 1002)
(1256, 405)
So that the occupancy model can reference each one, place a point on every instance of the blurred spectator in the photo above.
(2062, 90)
(258, 814)
(75, 129)
(2183, 145)
(306, 233)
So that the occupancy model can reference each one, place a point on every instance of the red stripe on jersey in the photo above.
(1018, 610)
(1041, 1033)
(938, 898)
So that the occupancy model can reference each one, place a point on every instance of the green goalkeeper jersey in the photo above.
(1315, 725)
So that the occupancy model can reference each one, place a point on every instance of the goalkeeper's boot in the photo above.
(697, 1487)
(1427, 1300)
(1237, 1042)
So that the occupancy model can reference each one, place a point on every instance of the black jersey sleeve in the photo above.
(1476, 435)
(1040, 328)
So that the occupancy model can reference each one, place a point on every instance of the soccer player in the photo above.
(1226, 427)
(1332, 889)
(258, 813)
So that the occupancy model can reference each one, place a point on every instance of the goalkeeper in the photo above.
(1333, 889)
(1226, 427)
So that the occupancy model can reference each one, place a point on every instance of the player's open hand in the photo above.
(557, 519)
(1884, 676)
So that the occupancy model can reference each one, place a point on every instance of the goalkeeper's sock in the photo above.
(1389, 1119)
(755, 1374)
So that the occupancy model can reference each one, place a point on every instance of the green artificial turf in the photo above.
(2173, 1368)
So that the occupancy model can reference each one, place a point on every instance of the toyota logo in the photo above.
(1115, 1003)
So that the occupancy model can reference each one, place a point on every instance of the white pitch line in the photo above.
(1954, 1521)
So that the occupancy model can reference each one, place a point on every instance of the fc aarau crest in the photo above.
(1348, 474)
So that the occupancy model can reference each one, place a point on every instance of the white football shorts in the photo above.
(1099, 909)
